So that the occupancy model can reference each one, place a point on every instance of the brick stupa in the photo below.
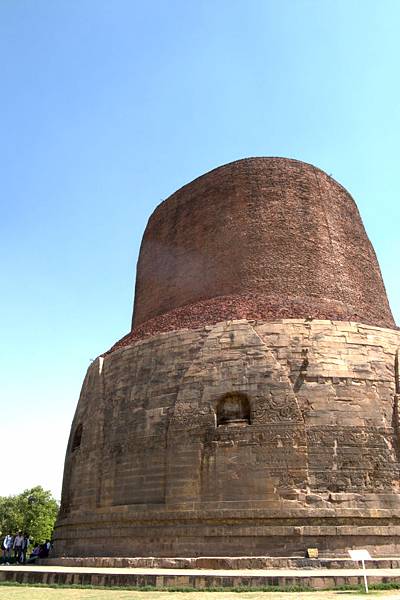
(253, 407)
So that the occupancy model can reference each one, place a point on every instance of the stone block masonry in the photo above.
(315, 464)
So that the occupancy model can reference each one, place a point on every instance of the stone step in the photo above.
(221, 562)
(197, 578)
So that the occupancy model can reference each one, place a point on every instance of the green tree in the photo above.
(33, 512)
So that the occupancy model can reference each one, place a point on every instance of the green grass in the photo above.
(11, 590)
(22, 592)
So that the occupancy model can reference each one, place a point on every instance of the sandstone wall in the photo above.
(150, 471)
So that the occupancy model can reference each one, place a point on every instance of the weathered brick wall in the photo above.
(260, 238)
(318, 463)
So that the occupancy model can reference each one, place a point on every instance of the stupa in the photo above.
(253, 407)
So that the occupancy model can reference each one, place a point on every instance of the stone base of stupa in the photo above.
(236, 563)
(244, 438)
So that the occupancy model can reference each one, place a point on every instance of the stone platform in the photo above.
(309, 458)
(211, 563)
(322, 578)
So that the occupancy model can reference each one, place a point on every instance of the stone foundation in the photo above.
(241, 438)
(201, 580)
(236, 563)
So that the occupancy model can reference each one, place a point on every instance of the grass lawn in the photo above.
(42, 593)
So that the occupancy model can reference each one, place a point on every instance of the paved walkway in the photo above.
(392, 573)
(195, 578)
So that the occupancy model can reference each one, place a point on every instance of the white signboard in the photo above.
(361, 556)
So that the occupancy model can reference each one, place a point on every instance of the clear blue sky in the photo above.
(107, 107)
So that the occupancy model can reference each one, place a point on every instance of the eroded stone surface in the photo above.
(154, 474)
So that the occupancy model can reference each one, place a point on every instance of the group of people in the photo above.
(15, 549)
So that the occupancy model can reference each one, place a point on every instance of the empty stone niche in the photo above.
(233, 409)
(76, 442)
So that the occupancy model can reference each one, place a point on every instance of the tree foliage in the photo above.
(33, 512)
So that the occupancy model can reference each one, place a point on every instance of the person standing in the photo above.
(18, 542)
(6, 548)
(25, 546)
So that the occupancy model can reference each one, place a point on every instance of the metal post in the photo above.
(365, 576)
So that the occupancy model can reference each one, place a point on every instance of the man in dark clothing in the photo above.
(18, 542)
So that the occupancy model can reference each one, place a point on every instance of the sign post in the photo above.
(361, 556)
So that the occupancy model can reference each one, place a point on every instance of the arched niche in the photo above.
(233, 409)
(76, 440)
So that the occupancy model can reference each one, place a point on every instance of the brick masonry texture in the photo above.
(317, 464)
(260, 238)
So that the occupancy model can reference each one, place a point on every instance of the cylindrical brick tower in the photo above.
(253, 407)
(260, 238)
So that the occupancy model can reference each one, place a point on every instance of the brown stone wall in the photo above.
(316, 461)
(260, 238)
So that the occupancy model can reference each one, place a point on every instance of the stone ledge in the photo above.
(218, 562)
(313, 579)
